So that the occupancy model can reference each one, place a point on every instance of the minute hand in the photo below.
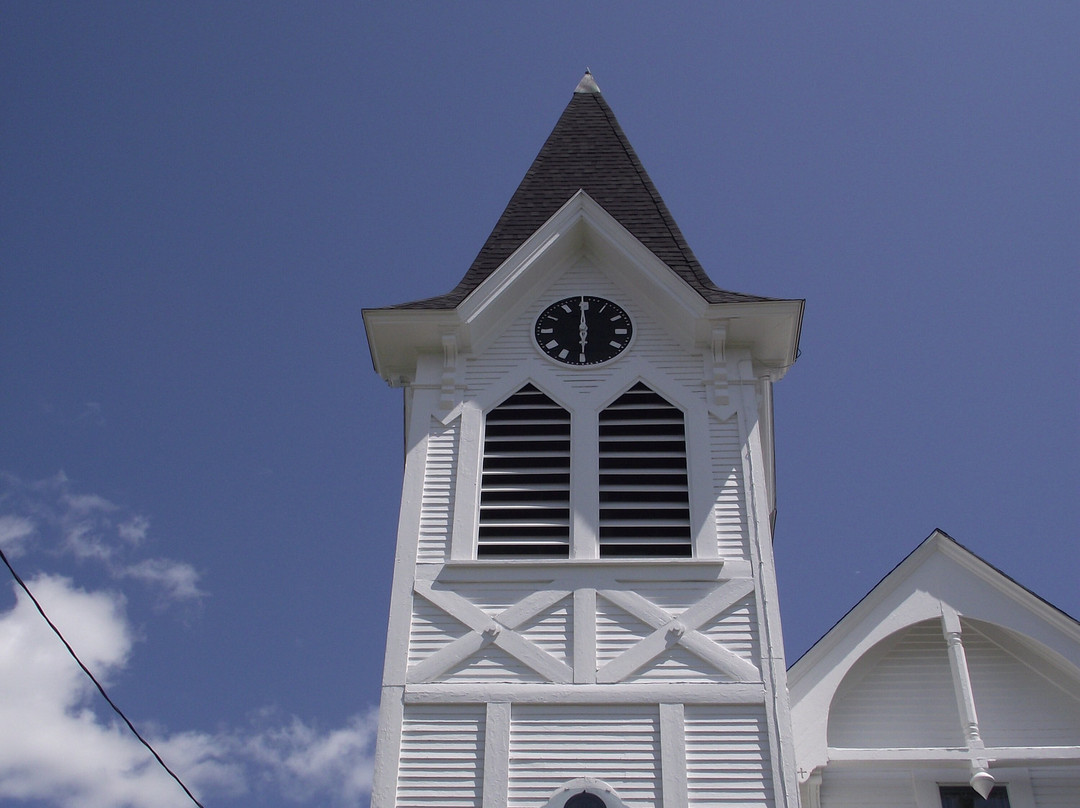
(583, 326)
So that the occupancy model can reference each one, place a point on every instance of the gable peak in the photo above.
(587, 84)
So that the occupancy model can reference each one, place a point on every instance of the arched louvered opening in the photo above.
(525, 485)
(644, 495)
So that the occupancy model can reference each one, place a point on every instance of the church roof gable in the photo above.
(586, 151)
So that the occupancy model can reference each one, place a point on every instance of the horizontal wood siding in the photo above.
(437, 501)
(730, 507)
(515, 346)
(902, 699)
(1017, 705)
(550, 745)
(727, 757)
(431, 629)
(442, 757)
(736, 629)
(553, 631)
(1055, 787)
(878, 789)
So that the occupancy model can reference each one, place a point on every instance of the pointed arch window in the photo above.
(525, 479)
(644, 492)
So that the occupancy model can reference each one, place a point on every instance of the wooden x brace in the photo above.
(681, 630)
(488, 631)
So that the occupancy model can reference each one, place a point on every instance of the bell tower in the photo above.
(584, 607)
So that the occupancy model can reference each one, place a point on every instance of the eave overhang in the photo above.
(397, 336)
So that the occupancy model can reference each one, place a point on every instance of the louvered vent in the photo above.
(525, 487)
(644, 499)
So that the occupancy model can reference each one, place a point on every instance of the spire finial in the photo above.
(587, 83)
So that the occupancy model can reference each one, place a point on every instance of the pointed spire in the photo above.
(587, 83)
(587, 150)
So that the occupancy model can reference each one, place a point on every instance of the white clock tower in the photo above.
(584, 607)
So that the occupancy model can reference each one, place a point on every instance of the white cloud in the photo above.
(51, 517)
(176, 579)
(14, 531)
(54, 747)
(134, 530)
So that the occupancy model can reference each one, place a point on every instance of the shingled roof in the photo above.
(587, 150)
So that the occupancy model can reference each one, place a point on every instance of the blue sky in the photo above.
(199, 471)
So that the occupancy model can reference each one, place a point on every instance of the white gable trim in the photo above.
(939, 581)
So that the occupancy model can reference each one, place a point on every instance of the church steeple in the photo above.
(588, 151)
(584, 602)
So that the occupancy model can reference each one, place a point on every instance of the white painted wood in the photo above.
(759, 523)
(387, 748)
(489, 631)
(729, 508)
(496, 754)
(550, 745)
(467, 490)
(877, 790)
(727, 757)
(1021, 702)
(584, 636)
(635, 693)
(1055, 787)
(442, 757)
(673, 754)
(905, 698)
(437, 499)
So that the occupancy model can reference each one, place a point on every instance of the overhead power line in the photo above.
(97, 684)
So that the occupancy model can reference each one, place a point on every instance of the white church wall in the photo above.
(619, 745)
(1055, 786)
(437, 500)
(901, 696)
(1019, 702)
(727, 760)
(880, 788)
(442, 757)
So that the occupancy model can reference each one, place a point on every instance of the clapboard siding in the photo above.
(878, 789)
(442, 757)
(730, 507)
(550, 745)
(437, 500)
(431, 629)
(1017, 706)
(1055, 787)
(553, 631)
(515, 346)
(727, 758)
(902, 699)
(736, 629)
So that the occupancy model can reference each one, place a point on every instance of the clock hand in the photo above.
(583, 327)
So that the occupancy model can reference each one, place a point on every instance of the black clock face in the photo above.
(583, 330)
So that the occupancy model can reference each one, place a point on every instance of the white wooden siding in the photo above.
(1016, 704)
(902, 699)
(431, 629)
(442, 757)
(553, 631)
(1055, 787)
(880, 788)
(437, 500)
(514, 347)
(552, 744)
(737, 629)
(727, 757)
(730, 492)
